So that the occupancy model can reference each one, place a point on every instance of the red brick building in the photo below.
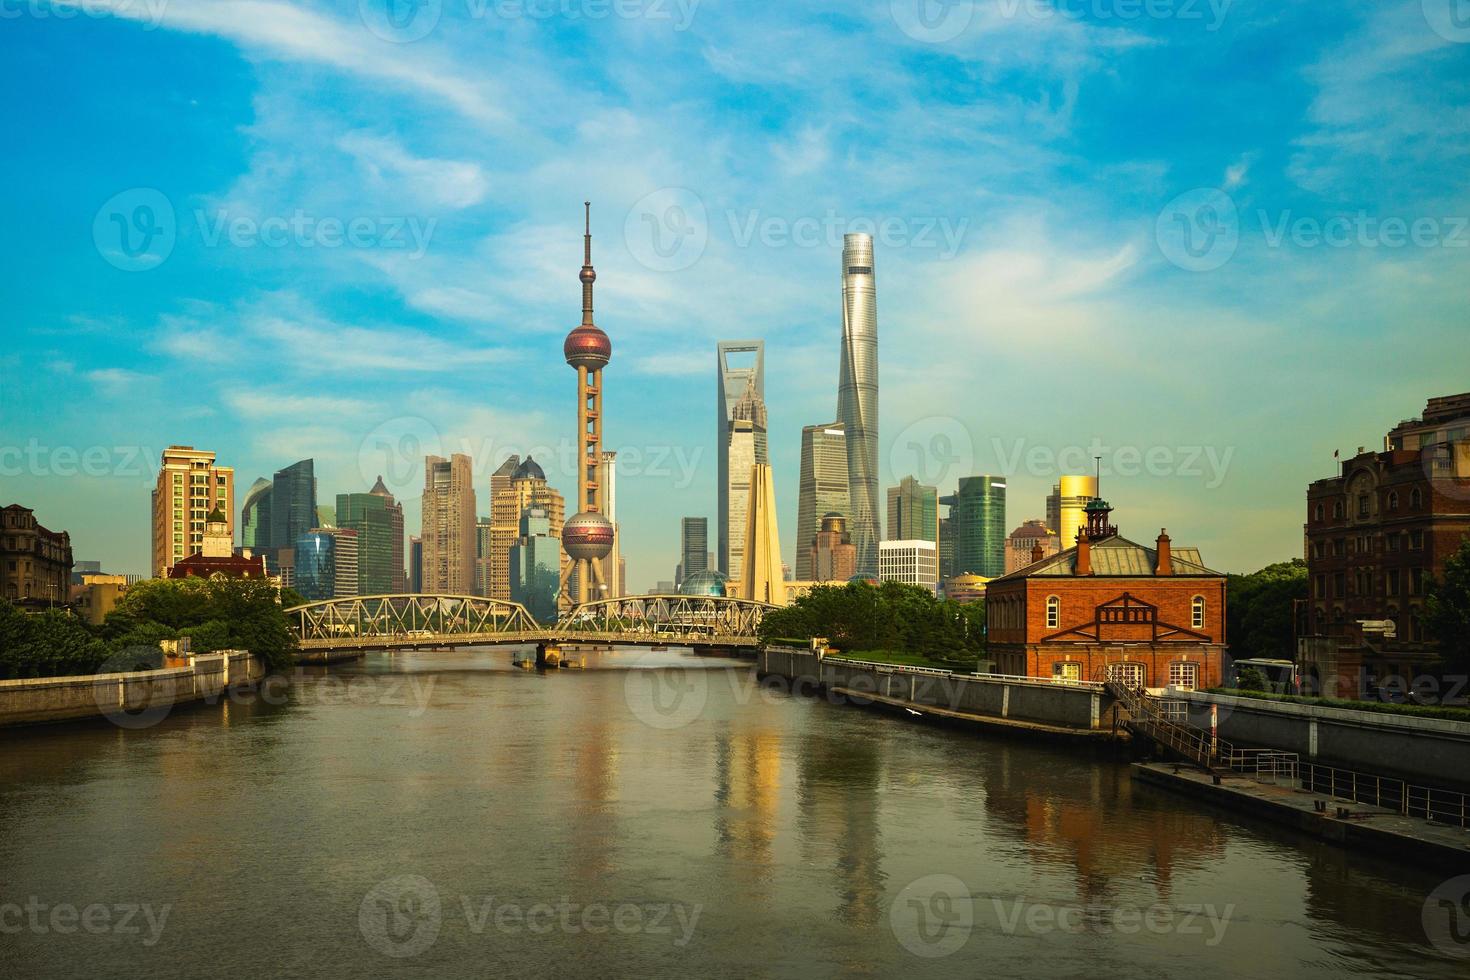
(217, 556)
(1377, 534)
(1155, 616)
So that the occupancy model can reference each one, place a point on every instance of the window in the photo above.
(1416, 498)
(1197, 612)
(1067, 672)
(1393, 542)
(1318, 513)
(1362, 505)
(1317, 550)
(1391, 580)
(1183, 675)
(1416, 540)
(1393, 500)
(1053, 612)
(1337, 509)
(1416, 581)
(1129, 674)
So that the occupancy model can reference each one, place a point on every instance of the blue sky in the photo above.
(1215, 241)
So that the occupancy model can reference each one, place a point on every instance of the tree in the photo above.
(1251, 679)
(891, 616)
(1260, 610)
(1446, 615)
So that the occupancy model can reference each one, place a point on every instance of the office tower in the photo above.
(482, 556)
(693, 547)
(368, 516)
(505, 520)
(535, 565)
(946, 548)
(1022, 545)
(823, 487)
(344, 562)
(741, 455)
(325, 564)
(913, 512)
(588, 537)
(399, 578)
(978, 513)
(293, 506)
(448, 525)
(857, 396)
(762, 579)
(188, 487)
(415, 565)
(1066, 507)
(734, 375)
(607, 479)
(830, 553)
(910, 562)
(255, 516)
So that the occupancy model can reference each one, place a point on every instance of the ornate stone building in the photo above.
(35, 562)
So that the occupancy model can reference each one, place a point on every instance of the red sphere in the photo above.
(587, 347)
(587, 536)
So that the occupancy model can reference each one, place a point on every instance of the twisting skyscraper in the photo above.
(857, 396)
(588, 536)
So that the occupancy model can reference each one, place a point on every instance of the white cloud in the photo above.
(447, 183)
(264, 404)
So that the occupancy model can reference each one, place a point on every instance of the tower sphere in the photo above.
(587, 536)
(587, 346)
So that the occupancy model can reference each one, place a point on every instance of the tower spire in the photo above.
(589, 274)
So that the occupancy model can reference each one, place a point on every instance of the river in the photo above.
(448, 815)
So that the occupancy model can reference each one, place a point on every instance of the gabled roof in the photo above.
(1117, 557)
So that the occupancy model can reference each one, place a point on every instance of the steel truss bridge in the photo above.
(389, 622)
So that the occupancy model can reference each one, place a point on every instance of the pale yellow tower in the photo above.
(762, 580)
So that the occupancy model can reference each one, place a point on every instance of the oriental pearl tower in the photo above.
(587, 537)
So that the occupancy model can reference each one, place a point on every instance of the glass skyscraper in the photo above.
(535, 566)
(741, 364)
(857, 396)
(316, 567)
(977, 520)
(822, 490)
(293, 503)
(255, 516)
(693, 547)
(913, 512)
(368, 514)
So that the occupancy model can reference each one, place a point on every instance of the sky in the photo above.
(1211, 242)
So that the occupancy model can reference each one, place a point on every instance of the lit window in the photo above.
(1197, 612)
(1184, 676)
(1053, 612)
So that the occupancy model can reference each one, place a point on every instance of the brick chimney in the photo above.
(1084, 554)
(1166, 556)
(1037, 552)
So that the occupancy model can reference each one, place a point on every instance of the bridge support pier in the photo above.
(548, 655)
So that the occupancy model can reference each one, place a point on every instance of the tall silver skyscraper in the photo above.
(733, 376)
(823, 487)
(857, 396)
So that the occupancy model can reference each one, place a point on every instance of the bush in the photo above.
(892, 616)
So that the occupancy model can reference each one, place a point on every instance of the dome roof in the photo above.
(587, 346)
(587, 535)
(529, 470)
(707, 583)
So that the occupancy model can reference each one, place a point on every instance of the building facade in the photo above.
(293, 506)
(368, 514)
(1377, 533)
(255, 516)
(216, 557)
(448, 530)
(693, 548)
(913, 512)
(416, 565)
(857, 395)
(739, 366)
(823, 486)
(763, 579)
(1023, 541)
(314, 568)
(832, 555)
(1110, 608)
(745, 449)
(535, 565)
(397, 571)
(35, 562)
(977, 514)
(910, 562)
(1066, 507)
(189, 486)
(505, 518)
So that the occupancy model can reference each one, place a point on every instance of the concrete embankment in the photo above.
(125, 697)
(1031, 705)
(1429, 750)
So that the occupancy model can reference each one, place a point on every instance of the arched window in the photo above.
(1416, 498)
(1393, 500)
(1318, 513)
(1197, 612)
(1053, 612)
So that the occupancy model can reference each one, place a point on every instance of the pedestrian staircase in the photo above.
(1145, 716)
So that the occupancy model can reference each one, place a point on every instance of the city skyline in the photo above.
(349, 354)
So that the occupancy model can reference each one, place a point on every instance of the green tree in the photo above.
(1446, 615)
(1260, 610)
(891, 616)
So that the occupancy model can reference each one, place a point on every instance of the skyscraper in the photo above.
(504, 526)
(188, 487)
(823, 487)
(1066, 507)
(744, 450)
(857, 395)
(416, 565)
(607, 479)
(448, 525)
(588, 537)
(913, 512)
(535, 565)
(399, 580)
(693, 547)
(977, 515)
(482, 556)
(733, 376)
(293, 506)
(255, 516)
(762, 579)
(830, 553)
(369, 516)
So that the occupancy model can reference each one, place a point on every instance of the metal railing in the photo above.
(1423, 802)
(940, 671)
